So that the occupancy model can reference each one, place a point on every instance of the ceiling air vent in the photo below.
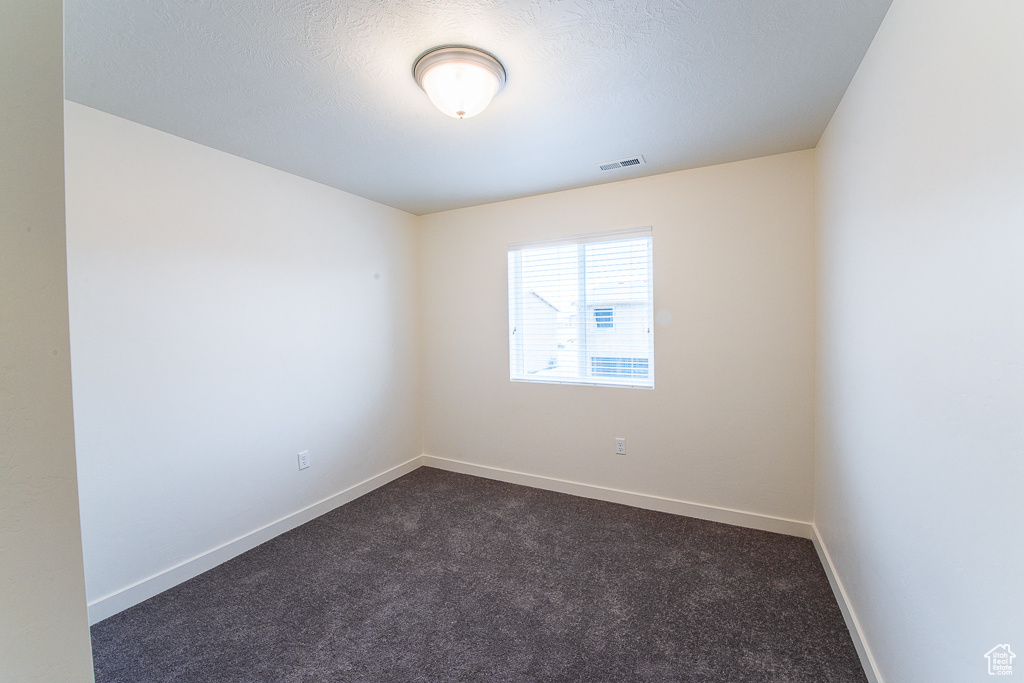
(622, 163)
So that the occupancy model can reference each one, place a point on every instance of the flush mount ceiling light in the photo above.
(460, 81)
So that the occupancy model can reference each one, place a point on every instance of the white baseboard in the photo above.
(750, 520)
(867, 661)
(124, 598)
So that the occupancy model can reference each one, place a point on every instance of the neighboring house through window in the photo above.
(581, 310)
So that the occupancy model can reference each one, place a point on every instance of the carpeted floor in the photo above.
(445, 577)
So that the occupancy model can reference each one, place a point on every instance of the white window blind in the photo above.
(581, 310)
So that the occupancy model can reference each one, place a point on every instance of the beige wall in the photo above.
(43, 630)
(919, 478)
(730, 422)
(224, 317)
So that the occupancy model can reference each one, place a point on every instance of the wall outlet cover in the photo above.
(303, 460)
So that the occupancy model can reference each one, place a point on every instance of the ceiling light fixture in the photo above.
(459, 80)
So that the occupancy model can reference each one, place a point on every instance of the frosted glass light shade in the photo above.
(460, 81)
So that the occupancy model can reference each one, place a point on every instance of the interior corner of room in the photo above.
(838, 341)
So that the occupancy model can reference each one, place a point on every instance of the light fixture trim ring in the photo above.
(464, 53)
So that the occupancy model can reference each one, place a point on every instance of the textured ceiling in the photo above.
(324, 88)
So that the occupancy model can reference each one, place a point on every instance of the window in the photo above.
(581, 310)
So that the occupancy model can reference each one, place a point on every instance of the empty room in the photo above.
(519, 340)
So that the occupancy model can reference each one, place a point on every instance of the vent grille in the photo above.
(622, 163)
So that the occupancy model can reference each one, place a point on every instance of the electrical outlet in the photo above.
(620, 446)
(303, 460)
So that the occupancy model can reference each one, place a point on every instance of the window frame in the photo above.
(516, 343)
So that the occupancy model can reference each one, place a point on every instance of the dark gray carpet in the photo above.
(445, 577)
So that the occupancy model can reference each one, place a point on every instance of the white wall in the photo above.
(919, 480)
(224, 317)
(44, 634)
(731, 420)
